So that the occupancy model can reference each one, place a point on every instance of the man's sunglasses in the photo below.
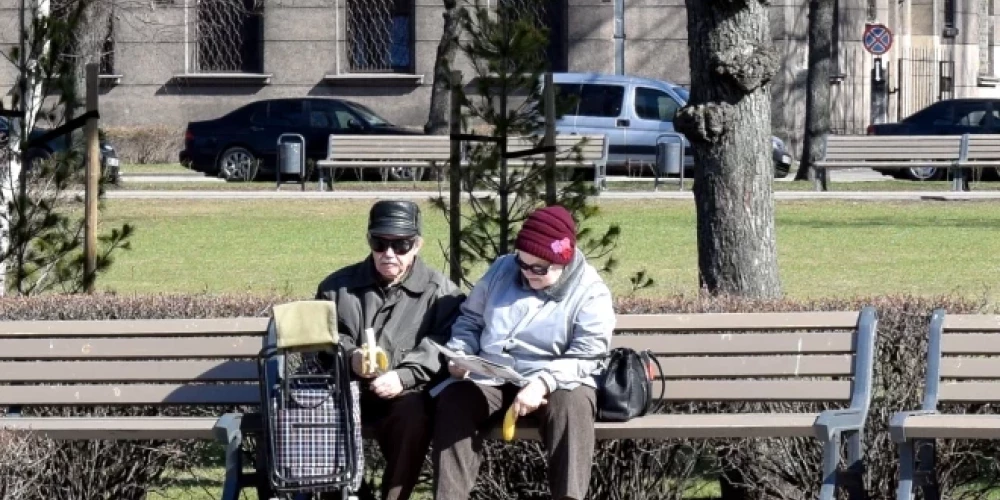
(399, 247)
(536, 269)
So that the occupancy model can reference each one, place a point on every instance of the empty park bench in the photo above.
(957, 153)
(417, 153)
(203, 363)
(962, 368)
(813, 357)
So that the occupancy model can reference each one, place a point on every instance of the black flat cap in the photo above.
(394, 218)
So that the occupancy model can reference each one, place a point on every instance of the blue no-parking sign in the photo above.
(877, 39)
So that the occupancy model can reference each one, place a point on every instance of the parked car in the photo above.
(947, 117)
(632, 112)
(227, 146)
(110, 167)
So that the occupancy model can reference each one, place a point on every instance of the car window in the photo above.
(601, 100)
(286, 114)
(367, 114)
(330, 114)
(567, 97)
(652, 104)
(970, 114)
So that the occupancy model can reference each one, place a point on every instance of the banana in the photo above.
(375, 358)
(509, 421)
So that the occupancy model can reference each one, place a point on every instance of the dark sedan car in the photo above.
(948, 117)
(228, 145)
(109, 157)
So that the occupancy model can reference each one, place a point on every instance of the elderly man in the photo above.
(406, 303)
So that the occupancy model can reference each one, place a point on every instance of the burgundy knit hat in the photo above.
(549, 233)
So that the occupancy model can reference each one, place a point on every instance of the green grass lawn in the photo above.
(155, 168)
(827, 248)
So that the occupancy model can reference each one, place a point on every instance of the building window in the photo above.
(950, 13)
(552, 15)
(836, 72)
(107, 63)
(229, 36)
(380, 36)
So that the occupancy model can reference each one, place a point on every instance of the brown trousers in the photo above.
(465, 411)
(402, 427)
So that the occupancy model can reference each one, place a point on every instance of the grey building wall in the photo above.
(305, 54)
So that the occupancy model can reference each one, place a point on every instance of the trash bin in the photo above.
(668, 158)
(290, 158)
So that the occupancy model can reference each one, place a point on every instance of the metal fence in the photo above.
(228, 36)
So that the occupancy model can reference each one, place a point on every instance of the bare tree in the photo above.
(437, 117)
(728, 121)
(821, 14)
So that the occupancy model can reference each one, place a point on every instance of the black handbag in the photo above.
(625, 388)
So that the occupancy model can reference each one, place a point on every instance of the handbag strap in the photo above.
(663, 380)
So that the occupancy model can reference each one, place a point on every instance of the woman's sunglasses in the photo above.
(399, 247)
(536, 269)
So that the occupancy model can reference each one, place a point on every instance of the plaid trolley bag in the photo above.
(310, 406)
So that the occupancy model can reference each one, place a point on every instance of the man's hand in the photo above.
(457, 372)
(388, 386)
(530, 397)
(358, 363)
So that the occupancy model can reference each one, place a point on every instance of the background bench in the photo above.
(820, 357)
(962, 367)
(205, 363)
(422, 152)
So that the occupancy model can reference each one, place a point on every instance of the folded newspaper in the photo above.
(480, 366)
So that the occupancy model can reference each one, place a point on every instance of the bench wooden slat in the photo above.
(970, 343)
(129, 348)
(134, 328)
(124, 371)
(970, 368)
(757, 366)
(953, 426)
(969, 392)
(756, 390)
(130, 394)
(704, 426)
(740, 343)
(118, 428)
(971, 323)
(836, 320)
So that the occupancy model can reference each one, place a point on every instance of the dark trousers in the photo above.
(464, 413)
(402, 427)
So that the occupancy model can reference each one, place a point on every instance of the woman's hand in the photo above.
(530, 397)
(457, 372)
(388, 386)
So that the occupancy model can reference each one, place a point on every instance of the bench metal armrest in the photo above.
(897, 424)
(227, 428)
(833, 422)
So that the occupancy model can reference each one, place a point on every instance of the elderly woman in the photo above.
(546, 313)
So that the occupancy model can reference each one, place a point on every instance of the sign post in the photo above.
(877, 39)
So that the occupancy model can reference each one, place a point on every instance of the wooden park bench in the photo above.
(818, 357)
(962, 368)
(419, 153)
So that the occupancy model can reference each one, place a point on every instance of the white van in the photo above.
(632, 112)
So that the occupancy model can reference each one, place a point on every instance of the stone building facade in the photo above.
(170, 61)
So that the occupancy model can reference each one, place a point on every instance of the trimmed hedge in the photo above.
(773, 469)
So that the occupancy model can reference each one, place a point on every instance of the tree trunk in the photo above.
(437, 117)
(817, 86)
(728, 122)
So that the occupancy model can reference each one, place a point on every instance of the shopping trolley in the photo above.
(310, 406)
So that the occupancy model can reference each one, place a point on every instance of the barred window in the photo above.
(550, 14)
(229, 36)
(107, 63)
(380, 36)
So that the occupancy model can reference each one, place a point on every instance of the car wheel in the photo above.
(236, 164)
(406, 173)
(924, 173)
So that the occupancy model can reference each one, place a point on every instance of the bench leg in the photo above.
(904, 491)
(926, 473)
(853, 477)
(234, 468)
(831, 461)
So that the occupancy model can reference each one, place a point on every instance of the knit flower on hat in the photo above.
(563, 247)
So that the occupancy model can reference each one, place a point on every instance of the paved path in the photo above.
(666, 194)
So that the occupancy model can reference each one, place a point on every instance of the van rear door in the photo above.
(600, 113)
(653, 111)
